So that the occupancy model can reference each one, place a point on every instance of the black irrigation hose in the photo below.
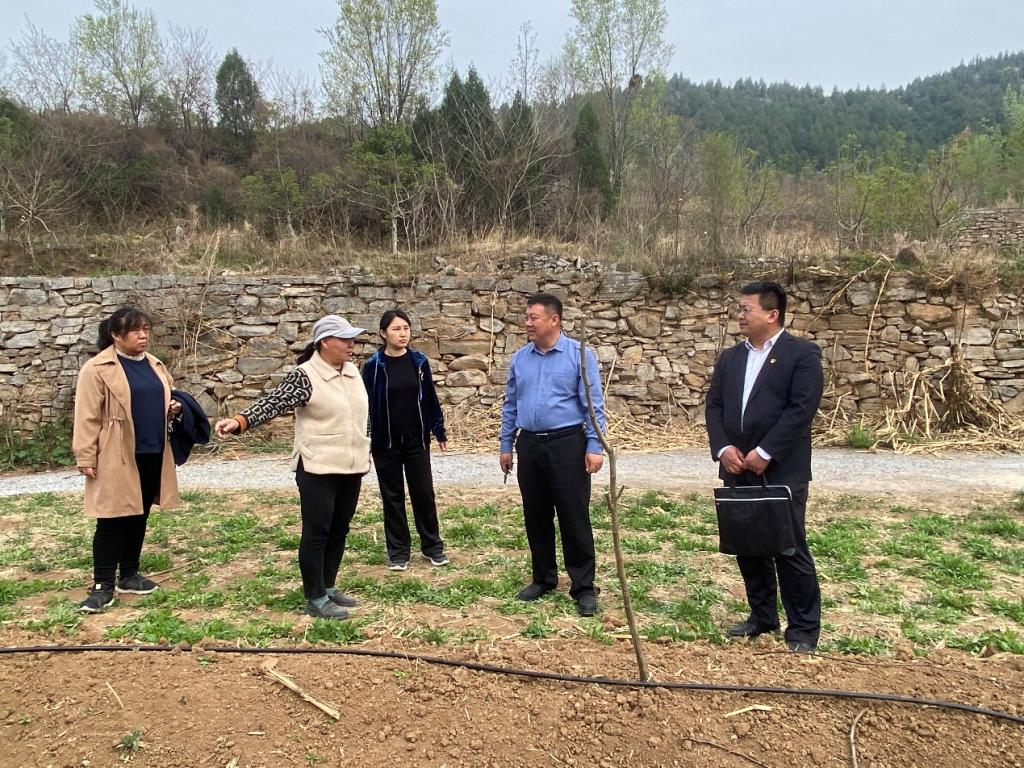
(612, 681)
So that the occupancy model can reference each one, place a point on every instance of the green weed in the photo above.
(538, 628)
(861, 437)
(840, 545)
(997, 525)
(131, 742)
(859, 644)
(947, 569)
(1004, 607)
(335, 632)
(61, 617)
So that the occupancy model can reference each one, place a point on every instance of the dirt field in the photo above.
(203, 708)
(197, 706)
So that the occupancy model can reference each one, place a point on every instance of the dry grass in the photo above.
(475, 430)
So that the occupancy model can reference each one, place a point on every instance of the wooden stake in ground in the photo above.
(613, 508)
(291, 685)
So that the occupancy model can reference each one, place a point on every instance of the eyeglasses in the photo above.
(748, 310)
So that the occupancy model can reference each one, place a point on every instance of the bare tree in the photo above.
(380, 57)
(45, 71)
(292, 98)
(188, 73)
(614, 45)
(123, 58)
(525, 68)
(34, 190)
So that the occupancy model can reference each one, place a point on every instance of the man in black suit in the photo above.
(764, 394)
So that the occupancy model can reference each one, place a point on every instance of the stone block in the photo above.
(258, 366)
(469, 362)
(847, 322)
(249, 331)
(456, 395)
(930, 314)
(461, 347)
(644, 324)
(23, 341)
(974, 336)
(524, 284)
(491, 325)
(466, 378)
(632, 355)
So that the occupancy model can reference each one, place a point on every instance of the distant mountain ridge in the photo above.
(795, 126)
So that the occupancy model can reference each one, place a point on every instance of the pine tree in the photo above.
(238, 102)
(592, 170)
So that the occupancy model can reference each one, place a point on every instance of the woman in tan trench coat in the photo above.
(122, 405)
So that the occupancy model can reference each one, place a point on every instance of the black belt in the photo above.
(551, 434)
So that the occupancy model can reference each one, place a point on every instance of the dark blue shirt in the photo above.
(148, 417)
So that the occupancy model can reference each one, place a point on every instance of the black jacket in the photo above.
(189, 428)
(375, 377)
(780, 409)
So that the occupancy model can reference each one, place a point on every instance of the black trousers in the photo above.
(793, 575)
(407, 453)
(553, 481)
(117, 542)
(327, 503)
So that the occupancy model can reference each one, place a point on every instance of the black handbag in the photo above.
(755, 520)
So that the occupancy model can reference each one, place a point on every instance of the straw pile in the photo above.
(934, 409)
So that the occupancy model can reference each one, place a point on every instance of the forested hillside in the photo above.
(124, 140)
(796, 126)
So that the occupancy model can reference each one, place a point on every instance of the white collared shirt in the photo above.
(755, 361)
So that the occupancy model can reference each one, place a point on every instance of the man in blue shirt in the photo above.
(558, 447)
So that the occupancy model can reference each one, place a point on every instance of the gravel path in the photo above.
(835, 469)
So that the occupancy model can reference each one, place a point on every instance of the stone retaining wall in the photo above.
(229, 338)
(1002, 227)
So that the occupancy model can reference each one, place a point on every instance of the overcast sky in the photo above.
(843, 44)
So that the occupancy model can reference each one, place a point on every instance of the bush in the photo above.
(47, 447)
(861, 438)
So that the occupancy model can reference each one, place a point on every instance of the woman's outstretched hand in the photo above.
(227, 427)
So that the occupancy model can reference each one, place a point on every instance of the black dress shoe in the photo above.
(586, 604)
(800, 646)
(749, 629)
(533, 591)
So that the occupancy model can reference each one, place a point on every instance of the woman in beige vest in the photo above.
(330, 456)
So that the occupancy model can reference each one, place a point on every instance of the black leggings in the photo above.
(328, 503)
(118, 540)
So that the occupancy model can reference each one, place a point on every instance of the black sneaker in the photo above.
(340, 598)
(136, 585)
(99, 597)
(437, 560)
(328, 611)
(397, 565)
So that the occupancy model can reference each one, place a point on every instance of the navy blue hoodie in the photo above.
(375, 377)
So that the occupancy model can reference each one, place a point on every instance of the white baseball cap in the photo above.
(334, 325)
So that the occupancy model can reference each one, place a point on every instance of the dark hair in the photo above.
(389, 317)
(123, 320)
(307, 352)
(770, 296)
(549, 301)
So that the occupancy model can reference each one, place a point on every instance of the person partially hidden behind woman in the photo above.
(122, 405)
(330, 456)
(404, 410)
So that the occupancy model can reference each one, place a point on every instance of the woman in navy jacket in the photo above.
(404, 411)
